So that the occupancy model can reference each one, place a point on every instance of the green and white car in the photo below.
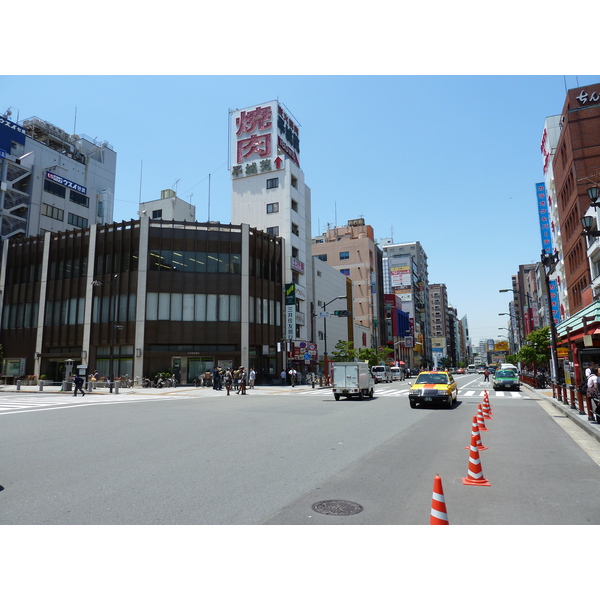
(506, 379)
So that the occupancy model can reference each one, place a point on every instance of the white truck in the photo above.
(352, 379)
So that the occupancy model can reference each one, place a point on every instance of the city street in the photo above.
(186, 456)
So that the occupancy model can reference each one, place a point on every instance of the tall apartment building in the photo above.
(405, 273)
(438, 321)
(438, 308)
(351, 249)
(52, 181)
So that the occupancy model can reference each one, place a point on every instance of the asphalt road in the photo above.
(192, 456)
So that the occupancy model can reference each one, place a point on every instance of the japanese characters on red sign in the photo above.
(256, 148)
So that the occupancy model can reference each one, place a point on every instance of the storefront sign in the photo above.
(62, 181)
(297, 265)
(584, 97)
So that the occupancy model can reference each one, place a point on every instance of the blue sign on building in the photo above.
(10, 132)
(544, 215)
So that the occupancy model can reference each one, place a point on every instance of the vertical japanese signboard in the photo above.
(290, 311)
(554, 303)
(543, 213)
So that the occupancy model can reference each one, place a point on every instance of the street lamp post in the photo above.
(529, 307)
(325, 305)
(550, 260)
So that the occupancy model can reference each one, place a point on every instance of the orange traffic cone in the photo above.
(480, 421)
(484, 410)
(487, 406)
(475, 437)
(439, 516)
(474, 471)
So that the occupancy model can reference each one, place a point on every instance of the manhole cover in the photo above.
(339, 508)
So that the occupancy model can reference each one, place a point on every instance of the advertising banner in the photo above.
(544, 216)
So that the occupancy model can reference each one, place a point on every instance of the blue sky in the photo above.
(449, 161)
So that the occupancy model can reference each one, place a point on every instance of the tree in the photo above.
(374, 357)
(344, 352)
(536, 351)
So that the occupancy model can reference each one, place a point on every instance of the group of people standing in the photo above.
(238, 380)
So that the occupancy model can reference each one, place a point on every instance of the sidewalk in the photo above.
(573, 414)
(104, 391)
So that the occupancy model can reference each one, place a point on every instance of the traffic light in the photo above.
(341, 313)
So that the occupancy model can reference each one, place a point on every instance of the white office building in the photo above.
(168, 208)
(52, 181)
(269, 193)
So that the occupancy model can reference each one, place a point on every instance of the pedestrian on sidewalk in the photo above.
(228, 379)
(242, 382)
(78, 381)
(292, 372)
(593, 392)
(251, 378)
(283, 376)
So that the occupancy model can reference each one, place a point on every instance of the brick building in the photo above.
(576, 166)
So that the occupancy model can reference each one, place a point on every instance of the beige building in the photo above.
(351, 249)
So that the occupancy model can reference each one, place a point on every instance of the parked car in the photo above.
(506, 379)
(433, 387)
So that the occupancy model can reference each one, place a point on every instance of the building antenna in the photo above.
(75, 122)
(175, 186)
(335, 215)
(209, 197)
(141, 169)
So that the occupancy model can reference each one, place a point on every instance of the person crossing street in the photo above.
(78, 381)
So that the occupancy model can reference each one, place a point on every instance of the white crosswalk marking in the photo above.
(33, 402)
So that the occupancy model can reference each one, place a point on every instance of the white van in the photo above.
(381, 373)
(397, 373)
(472, 369)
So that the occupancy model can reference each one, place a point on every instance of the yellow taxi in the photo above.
(433, 387)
